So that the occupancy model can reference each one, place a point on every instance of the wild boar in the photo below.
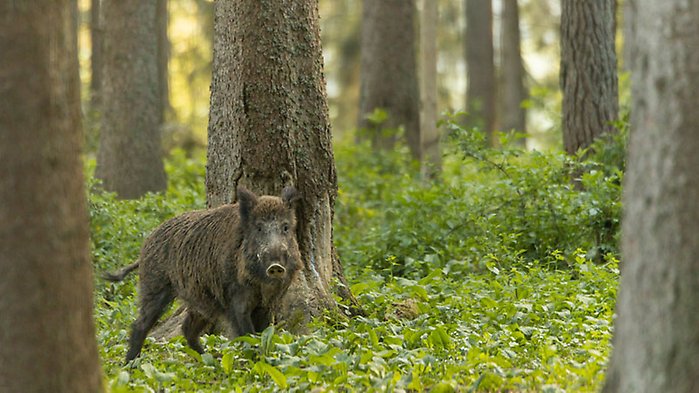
(232, 261)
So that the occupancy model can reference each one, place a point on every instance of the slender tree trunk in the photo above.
(162, 20)
(389, 72)
(429, 134)
(269, 128)
(480, 64)
(96, 55)
(513, 113)
(346, 103)
(656, 340)
(588, 71)
(129, 160)
(48, 341)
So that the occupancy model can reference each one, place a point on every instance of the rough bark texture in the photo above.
(47, 339)
(269, 128)
(129, 161)
(588, 71)
(431, 156)
(513, 114)
(656, 340)
(389, 78)
(480, 64)
(96, 56)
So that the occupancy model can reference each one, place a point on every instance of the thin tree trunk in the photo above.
(96, 55)
(346, 103)
(269, 128)
(480, 64)
(48, 341)
(588, 71)
(129, 161)
(656, 340)
(389, 72)
(162, 20)
(429, 134)
(513, 113)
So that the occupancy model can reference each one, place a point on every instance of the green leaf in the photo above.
(440, 339)
(208, 359)
(196, 355)
(227, 362)
(123, 378)
(252, 340)
(275, 374)
(267, 340)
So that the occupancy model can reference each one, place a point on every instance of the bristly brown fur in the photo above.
(217, 261)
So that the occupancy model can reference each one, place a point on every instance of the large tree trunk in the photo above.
(129, 160)
(588, 71)
(47, 339)
(480, 64)
(656, 335)
(429, 133)
(389, 73)
(513, 114)
(269, 128)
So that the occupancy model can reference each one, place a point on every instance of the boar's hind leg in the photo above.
(192, 327)
(153, 304)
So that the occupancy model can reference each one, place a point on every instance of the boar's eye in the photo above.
(285, 228)
(258, 227)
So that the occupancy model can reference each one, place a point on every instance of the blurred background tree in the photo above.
(190, 29)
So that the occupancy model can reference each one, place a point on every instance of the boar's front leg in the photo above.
(239, 313)
(261, 318)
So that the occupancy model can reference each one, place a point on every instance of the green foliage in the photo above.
(506, 205)
(118, 227)
(501, 276)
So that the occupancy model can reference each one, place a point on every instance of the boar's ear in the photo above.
(290, 195)
(246, 202)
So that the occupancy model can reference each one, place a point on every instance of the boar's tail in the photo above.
(120, 274)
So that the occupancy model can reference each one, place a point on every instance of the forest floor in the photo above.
(500, 276)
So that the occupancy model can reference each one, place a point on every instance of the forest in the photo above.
(349, 196)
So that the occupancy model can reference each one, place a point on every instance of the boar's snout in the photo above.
(276, 271)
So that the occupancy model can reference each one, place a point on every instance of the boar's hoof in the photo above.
(276, 271)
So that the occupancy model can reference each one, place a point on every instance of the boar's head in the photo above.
(268, 226)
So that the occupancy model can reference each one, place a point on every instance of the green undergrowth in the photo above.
(505, 206)
(500, 276)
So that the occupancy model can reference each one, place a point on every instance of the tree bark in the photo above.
(431, 156)
(656, 340)
(129, 161)
(96, 55)
(513, 113)
(48, 341)
(389, 72)
(269, 128)
(588, 72)
(162, 21)
(480, 64)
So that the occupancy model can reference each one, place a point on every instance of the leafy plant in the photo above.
(499, 277)
(508, 204)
